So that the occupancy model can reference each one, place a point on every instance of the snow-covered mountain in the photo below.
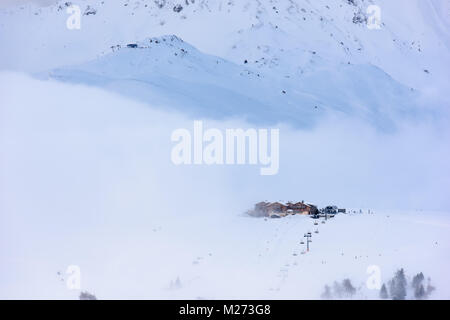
(168, 72)
(320, 53)
(412, 35)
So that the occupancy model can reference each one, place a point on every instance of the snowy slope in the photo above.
(414, 34)
(86, 180)
(314, 51)
(169, 72)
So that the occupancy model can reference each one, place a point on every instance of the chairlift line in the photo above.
(308, 240)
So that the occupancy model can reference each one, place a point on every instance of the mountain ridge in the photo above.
(168, 71)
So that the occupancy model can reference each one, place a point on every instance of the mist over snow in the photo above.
(86, 176)
(93, 185)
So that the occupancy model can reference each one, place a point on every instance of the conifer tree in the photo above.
(383, 292)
